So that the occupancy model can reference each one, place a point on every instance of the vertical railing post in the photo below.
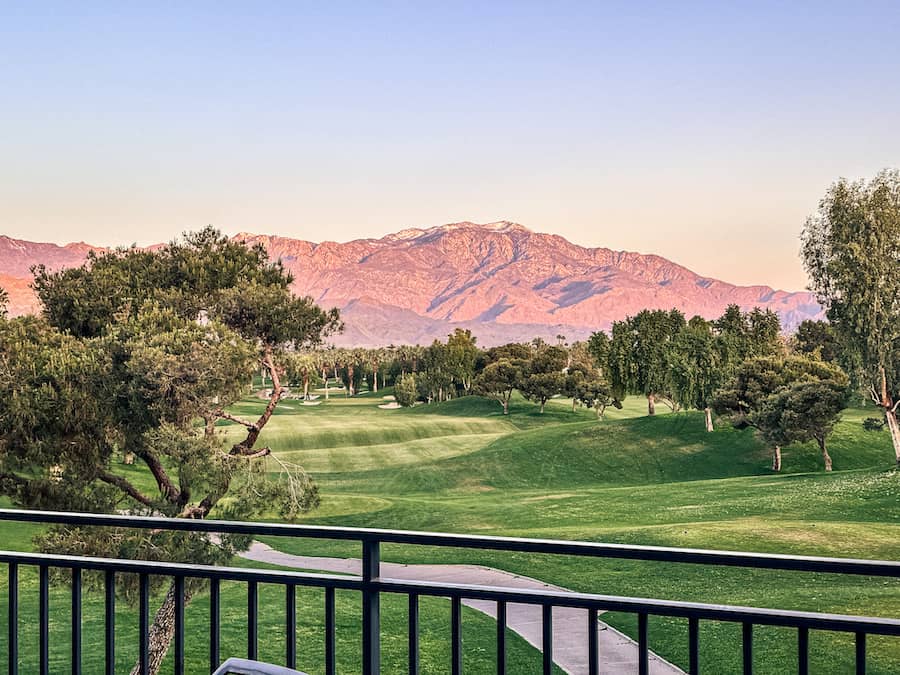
(110, 622)
(13, 620)
(371, 600)
(76, 621)
(44, 619)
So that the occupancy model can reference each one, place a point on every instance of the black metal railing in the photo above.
(371, 585)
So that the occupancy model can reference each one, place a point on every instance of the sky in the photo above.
(703, 132)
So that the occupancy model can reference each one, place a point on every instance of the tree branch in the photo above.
(166, 486)
(253, 432)
(234, 418)
(125, 486)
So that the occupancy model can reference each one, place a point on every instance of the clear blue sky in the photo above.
(705, 132)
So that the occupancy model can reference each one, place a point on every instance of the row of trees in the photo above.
(739, 366)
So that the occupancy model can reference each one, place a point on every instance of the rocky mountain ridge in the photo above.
(501, 280)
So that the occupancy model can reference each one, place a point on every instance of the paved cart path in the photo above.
(618, 653)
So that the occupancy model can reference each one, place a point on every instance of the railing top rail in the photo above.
(554, 597)
(885, 568)
(173, 569)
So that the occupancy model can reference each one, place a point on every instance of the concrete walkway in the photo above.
(618, 653)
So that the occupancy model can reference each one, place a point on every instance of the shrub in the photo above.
(405, 390)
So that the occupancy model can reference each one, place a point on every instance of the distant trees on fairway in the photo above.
(660, 355)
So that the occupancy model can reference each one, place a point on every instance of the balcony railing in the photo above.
(371, 585)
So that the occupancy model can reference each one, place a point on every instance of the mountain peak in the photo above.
(502, 226)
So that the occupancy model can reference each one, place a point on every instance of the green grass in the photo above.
(464, 467)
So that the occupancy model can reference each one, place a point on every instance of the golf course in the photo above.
(463, 466)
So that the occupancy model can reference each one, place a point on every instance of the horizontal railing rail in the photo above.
(886, 568)
(371, 585)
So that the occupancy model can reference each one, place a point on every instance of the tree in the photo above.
(598, 348)
(851, 249)
(639, 352)
(301, 367)
(597, 394)
(804, 411)
(4, 301)
(695, 368)
(499, 379)
(405, 390)
(816, 339)
(746, 335)
(462, 355)
(135, 347)
(543, 376)
(747, 399)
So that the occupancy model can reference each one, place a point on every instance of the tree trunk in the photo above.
(776, 458)
(825, 455)
(543, 403)
(890, 416)
(574, 401)
(350, 374)
(505, 405)
(305, 386)
(894, 428)
(162, 631)
(375, 381)
(709, 423)
(651, 404)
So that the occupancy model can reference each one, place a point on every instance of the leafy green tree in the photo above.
(513, 351)
(499, 379)
(543, 376)
(804, 411)
(695, 368)
(639, 355)
(435, 377)
(851, 249)
(598, 346)
(747, 399)
(462, 356)
(816, 339)
(747, 335)
(581, 367)
(302, 367)
(596, 393)
(406, 391)
(135, 347)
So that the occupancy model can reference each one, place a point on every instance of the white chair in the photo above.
(248, 667)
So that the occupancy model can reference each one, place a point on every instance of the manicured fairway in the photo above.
(634, 479)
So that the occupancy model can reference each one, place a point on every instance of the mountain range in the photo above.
(501, 280)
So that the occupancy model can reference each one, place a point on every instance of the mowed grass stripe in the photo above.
(342, 458)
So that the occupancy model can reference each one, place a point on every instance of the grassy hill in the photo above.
(629, 478)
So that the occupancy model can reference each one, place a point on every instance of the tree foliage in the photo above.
(639, 354)
(134, 349)
(777, 396)
(851, 249)
(406, 391)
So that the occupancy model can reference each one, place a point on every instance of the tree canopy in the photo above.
(140, 353)
(851, 249)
